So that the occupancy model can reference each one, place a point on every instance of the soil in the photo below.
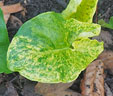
(23, 87)
(105, 11)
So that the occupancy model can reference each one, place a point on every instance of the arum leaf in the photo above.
(71, 8)
(82, 10)
(80, 30)
(86, 10)
(4, 43)
(41, 50)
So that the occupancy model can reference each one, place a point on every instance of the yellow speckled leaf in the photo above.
(86, 10)
(71, 8)
(42, 49)
(82, 10)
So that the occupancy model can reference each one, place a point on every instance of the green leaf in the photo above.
(82, 10)
(71, 9)
(106, 25)
(43, 50)
(78, 30)
(4, 43)
(86, 10)
(111, 21)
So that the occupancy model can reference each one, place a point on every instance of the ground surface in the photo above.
(24, 87)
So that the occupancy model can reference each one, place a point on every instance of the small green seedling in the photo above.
(106, 25)
(55, 47)
(4, 43)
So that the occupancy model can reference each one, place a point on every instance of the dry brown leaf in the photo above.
(8, 9)
(87, 82)
(93, 82)
(59, 89)
(6, 17)
(64, 93)
(1, 3)
(107, 59)
(44, 88)
(12, 8)
(99, 80)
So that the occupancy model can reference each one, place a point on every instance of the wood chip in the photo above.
(93, 82)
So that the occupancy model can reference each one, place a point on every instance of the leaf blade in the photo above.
(40, 51)
(71, 9)
(80, 30)
(86, 10)
(4, 43)
(104, 24)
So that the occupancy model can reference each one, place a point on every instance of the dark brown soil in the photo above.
(14, 82)
(105, 11)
